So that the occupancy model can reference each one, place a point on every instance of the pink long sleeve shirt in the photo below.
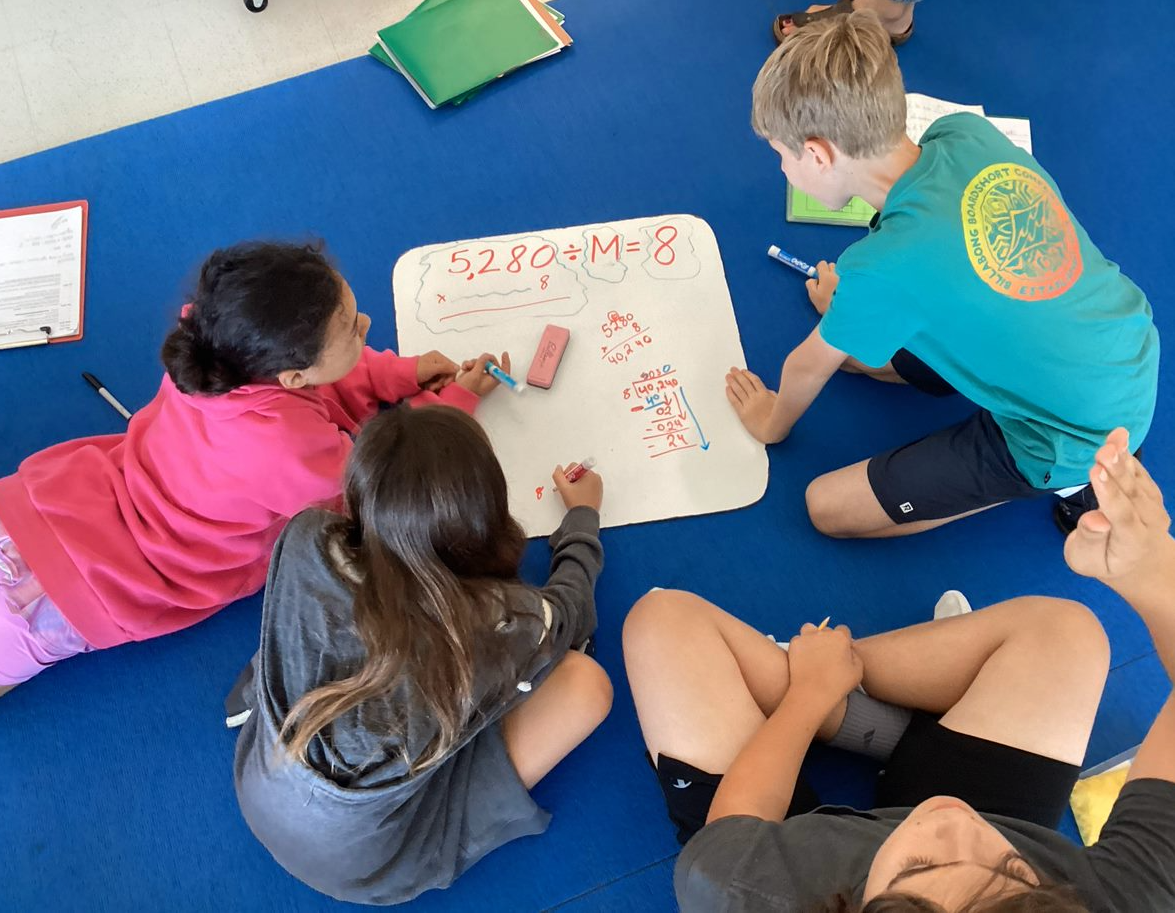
(140, 534)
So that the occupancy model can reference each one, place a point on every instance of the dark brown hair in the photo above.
(431, 541)
(259, 309)
(1038, 898)
(1049, 898)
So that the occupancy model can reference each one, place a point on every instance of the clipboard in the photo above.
(30, 338)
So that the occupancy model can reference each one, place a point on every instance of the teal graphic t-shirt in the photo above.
(977, 267)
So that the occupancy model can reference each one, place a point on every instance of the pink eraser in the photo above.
(547, 358)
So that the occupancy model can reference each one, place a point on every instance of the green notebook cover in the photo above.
(453, 46)
(802, 208)
(377, 50)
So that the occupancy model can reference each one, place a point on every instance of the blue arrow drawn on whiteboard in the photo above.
(694, 418)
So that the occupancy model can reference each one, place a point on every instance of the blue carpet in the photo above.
(116, 791)
(648, 889)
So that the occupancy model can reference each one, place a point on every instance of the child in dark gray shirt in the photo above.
(409, 688)
(976, 775)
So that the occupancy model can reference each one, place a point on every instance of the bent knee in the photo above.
(824, 510)
(1066, 629)
(654, 613)
(588, 686)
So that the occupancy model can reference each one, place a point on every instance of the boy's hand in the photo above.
(586, 491)
(1128, 533)
(435, 371)
(473, 376)
(823, 664)
(753, 402)
(821, 288)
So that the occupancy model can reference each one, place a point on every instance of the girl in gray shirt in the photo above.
(409, 689)
(985, 727)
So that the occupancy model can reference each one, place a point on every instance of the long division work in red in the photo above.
(670, 425)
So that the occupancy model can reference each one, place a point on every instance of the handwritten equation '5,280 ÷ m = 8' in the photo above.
(472, 284)
(537, 255)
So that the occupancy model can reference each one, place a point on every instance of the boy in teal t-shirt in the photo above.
(974, 279)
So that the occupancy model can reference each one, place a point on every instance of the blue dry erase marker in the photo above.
(788, 260)
(503, 378)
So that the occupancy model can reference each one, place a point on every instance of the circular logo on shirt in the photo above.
(1020, 239)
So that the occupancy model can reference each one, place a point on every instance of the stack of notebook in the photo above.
(448, 49)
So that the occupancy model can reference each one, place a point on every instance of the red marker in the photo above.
(577, 473)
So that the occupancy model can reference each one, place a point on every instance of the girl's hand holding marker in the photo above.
(579, 486)
(476, 375)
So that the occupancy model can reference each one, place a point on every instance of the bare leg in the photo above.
(4, 689)
(1027, 673)
(841, 504)
(703, 681)
(562, 712)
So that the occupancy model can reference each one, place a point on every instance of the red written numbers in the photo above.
(472, 262)
(663, 253)
(668, 427)
(460, 260)
(625, 335)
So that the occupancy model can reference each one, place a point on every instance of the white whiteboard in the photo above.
(641, 386)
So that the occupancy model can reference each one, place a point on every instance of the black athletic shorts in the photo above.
(929, 760)
(958, 469)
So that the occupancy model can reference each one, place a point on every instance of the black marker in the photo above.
(105, 394)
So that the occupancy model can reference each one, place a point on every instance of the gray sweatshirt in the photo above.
(354, 823)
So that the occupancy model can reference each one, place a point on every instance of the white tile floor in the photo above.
(73, 68)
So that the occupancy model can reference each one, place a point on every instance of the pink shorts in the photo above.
(33, 633)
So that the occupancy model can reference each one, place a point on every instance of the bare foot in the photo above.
(897, 17)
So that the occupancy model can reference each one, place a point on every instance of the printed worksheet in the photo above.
(42, 269)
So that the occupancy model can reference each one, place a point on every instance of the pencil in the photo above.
(824, 624)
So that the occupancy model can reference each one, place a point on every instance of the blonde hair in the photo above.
(836, 79)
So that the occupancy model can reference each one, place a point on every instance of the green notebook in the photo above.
(377, 50)
(449, 47)
(802, 208)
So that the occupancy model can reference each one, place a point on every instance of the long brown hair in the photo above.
(430, 541)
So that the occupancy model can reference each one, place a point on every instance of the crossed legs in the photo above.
(1027, 673)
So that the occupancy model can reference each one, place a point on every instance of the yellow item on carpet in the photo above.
(1093, 798)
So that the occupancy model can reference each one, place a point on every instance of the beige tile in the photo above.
(353, 23)
(17, 136)
(86, 81)
(37, 20)
(7, 32)
(223, 49)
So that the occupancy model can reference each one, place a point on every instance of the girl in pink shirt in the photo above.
(105, 540)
